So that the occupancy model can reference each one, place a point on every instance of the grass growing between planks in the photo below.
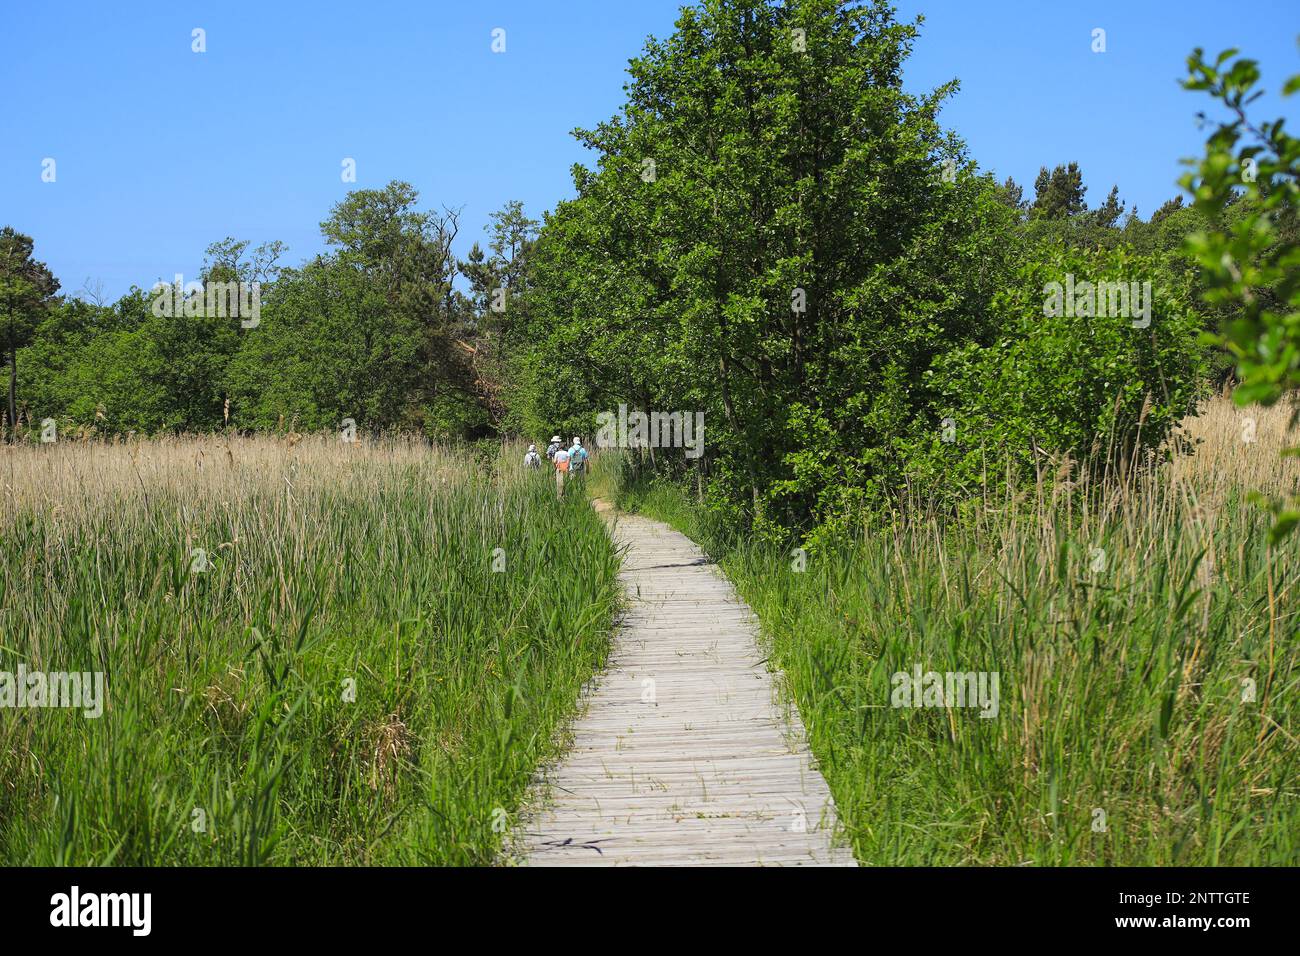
(309, 657)
(1146, 641)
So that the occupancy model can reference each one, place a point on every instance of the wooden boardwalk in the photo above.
(682, 754)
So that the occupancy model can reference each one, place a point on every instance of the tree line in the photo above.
(375, 329)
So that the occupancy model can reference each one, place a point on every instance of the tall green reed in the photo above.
(315, 654)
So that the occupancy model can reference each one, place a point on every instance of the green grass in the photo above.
(1121, 690)
(230, 736)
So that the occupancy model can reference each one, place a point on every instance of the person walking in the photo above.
(577, 459)
(555, 445)
(561, 459)
(532, 460)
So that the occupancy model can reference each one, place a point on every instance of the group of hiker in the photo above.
(568, 462)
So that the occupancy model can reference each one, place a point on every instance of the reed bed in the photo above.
(315, 652)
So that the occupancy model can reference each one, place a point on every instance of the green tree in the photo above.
(1250, 261)
(329, 347)
(368, 331)
(27, 288)
(99, 368)
(499, 292)
(1085, 382)
(1058, 194)
(778, 235)
(1060, 214)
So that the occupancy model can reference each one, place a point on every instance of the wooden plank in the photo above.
(685, 753)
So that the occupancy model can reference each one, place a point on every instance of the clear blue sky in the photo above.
(161, 151)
